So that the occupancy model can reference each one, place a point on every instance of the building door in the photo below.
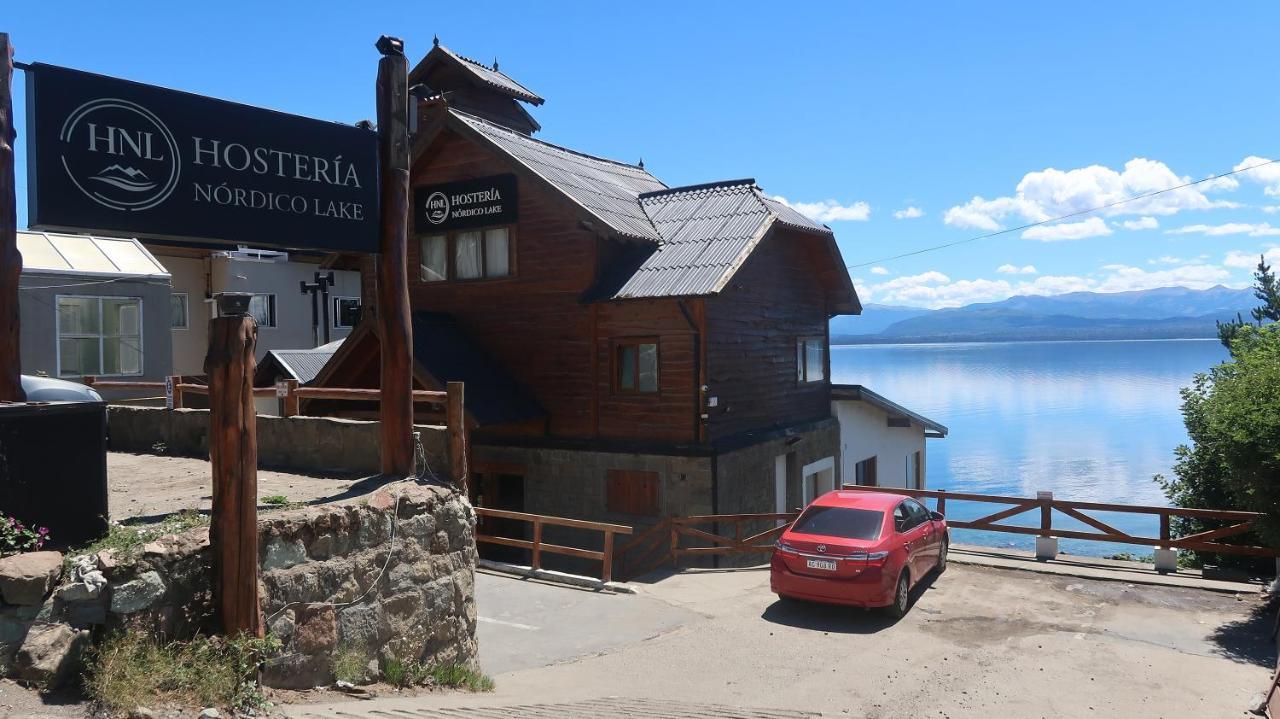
(818, 478)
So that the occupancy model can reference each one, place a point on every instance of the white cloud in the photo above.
(879, 271)
(1261, 229)
(1052, 193)
(829, 210)
(935, 290)
(1249, 260)
(1092, 227)
(1142, 223)
(1015, 270)
(1271, 209)
(1171, 260)
(908, 213)
(1268, 175)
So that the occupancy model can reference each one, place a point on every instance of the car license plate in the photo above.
(827, 564)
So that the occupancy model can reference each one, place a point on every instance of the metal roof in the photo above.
(857, 392)
(607, 189)
(52, 252)
(490, 76)
(304, 365)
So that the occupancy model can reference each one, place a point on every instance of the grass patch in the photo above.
(127, 540)
(133, 668)
(276, 500)
(351, 664)
(457, 676)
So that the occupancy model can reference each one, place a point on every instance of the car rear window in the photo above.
(841, 522)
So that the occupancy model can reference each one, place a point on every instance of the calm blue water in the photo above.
(1090, 421)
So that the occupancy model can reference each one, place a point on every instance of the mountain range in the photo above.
(1162, 313)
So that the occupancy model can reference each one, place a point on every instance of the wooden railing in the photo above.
(537, 546)
(1239, 522)
(662, 543)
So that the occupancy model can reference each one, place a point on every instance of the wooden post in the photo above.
(456, 426)
(606, 575)
(10, 258)
(233, 451)
(1165, 533)
(174, 383)
(395, 330)
(291, 402)
(942, 503)
(536, 558)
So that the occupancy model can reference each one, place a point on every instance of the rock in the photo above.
(138, 594)
(283, 554)
(49, 654)
(88, 587)
(27, 578)
(210, 713)
(317, 630)
(108, 560)
(155, 549)
(141, 712)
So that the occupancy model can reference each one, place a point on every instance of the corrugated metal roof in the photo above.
(491, 76)
(607, 189)
(304, 365)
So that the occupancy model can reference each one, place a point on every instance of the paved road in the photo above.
(607, 708)
(525, 623)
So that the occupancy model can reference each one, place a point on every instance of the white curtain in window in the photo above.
(434, 260)
(467, 257)
(496, 254)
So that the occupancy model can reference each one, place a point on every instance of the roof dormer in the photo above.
(479, 89)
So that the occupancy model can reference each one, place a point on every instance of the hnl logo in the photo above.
(120, 154)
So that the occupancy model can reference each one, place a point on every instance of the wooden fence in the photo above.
(1046, 505)
(537, 546)
(662, 543)
(176, 389)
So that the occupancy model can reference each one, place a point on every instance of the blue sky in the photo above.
(979, 116)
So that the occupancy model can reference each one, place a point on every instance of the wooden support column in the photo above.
(455, 420)
(291, 404)
(233, 450)
(394, 329)
(10, 259)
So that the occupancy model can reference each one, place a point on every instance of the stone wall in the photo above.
(319, 444)
(333, 578)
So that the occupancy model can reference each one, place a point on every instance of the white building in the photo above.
(283, 313)
(881, 443)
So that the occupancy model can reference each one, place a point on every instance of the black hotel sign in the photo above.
(116, 156)
(469, 203)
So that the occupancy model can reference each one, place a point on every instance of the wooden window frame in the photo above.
(802, 360)
(450, 256)
(625, 475)
(615, 366)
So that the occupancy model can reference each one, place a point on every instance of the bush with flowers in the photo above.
(16, 537)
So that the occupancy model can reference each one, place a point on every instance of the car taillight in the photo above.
(785, 548)
(877, 556)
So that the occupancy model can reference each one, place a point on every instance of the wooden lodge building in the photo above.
(630, 350)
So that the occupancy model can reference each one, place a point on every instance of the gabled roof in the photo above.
(489, 76)
(695, 237)
(892, 409)
(300, 364)
(606, 189)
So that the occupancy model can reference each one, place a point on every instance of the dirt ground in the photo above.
(148, 485)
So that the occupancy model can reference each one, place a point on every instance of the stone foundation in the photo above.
(317, 444)
(323, 586)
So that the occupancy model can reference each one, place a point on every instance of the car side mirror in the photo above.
(935, 516)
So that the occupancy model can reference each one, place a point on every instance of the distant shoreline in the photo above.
(842, 342)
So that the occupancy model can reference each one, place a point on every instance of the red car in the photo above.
(863, 549)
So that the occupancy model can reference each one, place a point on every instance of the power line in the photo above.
(1077, 213)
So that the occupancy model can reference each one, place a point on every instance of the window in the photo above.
(465, 255)
(811, 359)
(630, 492)
(99, 336)
(636, 366)
(844, 522)
(864, 472)
(263, 310)
(346, 311)
(178, 311)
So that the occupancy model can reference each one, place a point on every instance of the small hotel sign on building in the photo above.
(469, 203)
(117, 156)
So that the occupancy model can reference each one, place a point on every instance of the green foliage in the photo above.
(351, 664)
(134, 668)
(275, 499)
(458, 676)
(16, 537)
(1232, 416)
(127, 540)
(1267, 289)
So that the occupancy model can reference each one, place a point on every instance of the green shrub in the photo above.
(458, 676)
(134, 668)
(278, 500)
(351, 664)
(16, 537)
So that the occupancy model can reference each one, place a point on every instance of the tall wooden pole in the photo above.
(395, 330)
(233, 450)
(10, 260)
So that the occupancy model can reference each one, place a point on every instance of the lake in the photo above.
(1089, 421)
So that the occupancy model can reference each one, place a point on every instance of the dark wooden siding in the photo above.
(533, 323)
(752, 328)
(668, 414)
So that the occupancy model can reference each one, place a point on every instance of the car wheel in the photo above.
(942, 558)
(901, 598)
